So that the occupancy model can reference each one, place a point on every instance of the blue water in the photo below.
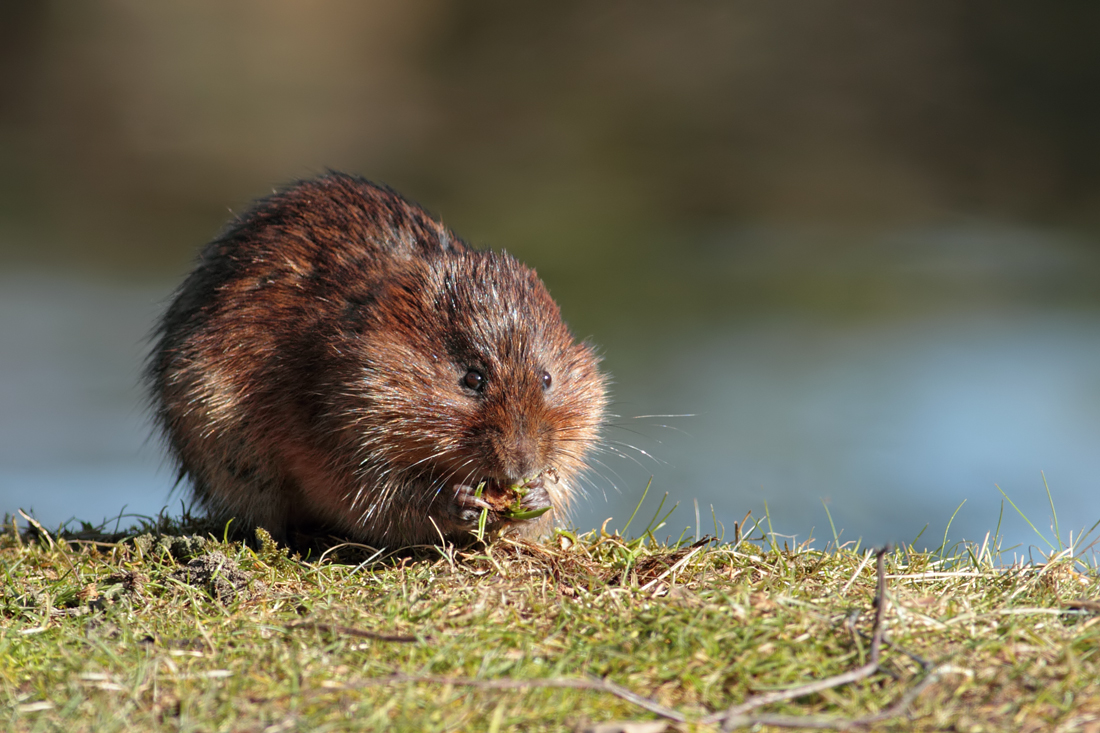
(892, 422)
(893, 425)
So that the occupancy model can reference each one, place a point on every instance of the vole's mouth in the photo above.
(496, 487)
(500, 487)
(508, 500)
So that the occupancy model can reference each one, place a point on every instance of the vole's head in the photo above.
(468, 375)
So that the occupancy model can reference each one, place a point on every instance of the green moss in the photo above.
(162, 629)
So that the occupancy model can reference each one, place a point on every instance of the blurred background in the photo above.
(857, 242)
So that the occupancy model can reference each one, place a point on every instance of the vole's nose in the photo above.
(519, 453)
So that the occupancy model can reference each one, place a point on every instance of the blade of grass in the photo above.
(1053, 513)
(919, 535)
(771, 532)
(943, 545)
(660, 523)
(638, 505)
(1078, 551)
(836, 537)
(1024, 517)
(655, 523)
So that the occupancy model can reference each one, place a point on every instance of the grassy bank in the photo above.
(177, 630)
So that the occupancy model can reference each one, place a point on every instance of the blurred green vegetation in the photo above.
(583, 137)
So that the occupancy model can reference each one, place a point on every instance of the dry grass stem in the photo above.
(172, 627)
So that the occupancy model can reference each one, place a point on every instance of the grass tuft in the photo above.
(173, 625)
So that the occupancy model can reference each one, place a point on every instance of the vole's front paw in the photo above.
(537, 497)
(467, 506)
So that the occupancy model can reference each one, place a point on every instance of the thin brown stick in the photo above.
(903, 702)
(789, 721)
(604, 685)
(832, 723)
(791, 692)
(924, 663)
(734, 716)
(37, 526)
(1083, 604)
(598, 685)
(351, 631)
(880, 605)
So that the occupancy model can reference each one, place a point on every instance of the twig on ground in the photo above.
(924, 663)
(1083, 604)
(37, 527)
(903, 702)
(351, 631)
(833, 723)
(880, 604)
(736, 713)
(599, 685)
(731, 718)
(735, 717)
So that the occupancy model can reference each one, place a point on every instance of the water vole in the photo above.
(339, 361)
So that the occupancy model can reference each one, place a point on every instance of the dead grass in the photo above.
(170, 628)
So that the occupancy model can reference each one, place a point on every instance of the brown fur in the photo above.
(309, 374)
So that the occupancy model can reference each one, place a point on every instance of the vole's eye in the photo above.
(474, 379)
(547, 380)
